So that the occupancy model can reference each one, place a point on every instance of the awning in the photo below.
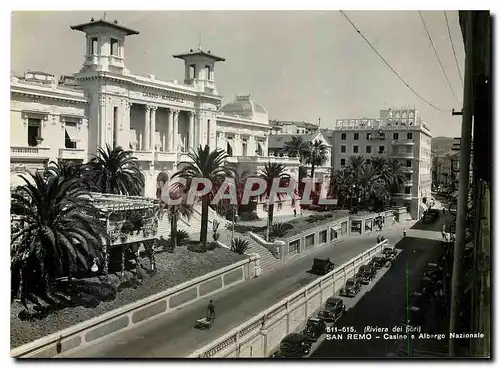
(72, 132)
(133, 137)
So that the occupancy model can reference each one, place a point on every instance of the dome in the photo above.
(244, 107)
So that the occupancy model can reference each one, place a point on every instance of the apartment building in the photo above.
(397, 133)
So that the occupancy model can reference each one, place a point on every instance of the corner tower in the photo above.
(105, 46)
(199, 69)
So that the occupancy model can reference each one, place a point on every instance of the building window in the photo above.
(355, 149)
(192, 71)
(229, 149)
(368, 149)
(408, 177)
(343, 136)
(368, 136)
(94, 46)
(409, 135)
(343, 149)
(298, 131)
(70, 134)
(115, 47)
(395, 136)
(244, 147)
(208, 72)
(342, 162)
(407, 190)
(408, 163)
(381, 149)
(34, 132)
(356, 136)
(208, 132)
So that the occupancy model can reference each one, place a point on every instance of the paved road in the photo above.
(385, 305)
(174, 336)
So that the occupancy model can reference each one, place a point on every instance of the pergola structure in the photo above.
(130, 222)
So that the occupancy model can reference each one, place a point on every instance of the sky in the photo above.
(300, 65)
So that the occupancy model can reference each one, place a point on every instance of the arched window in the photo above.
(192, 71)
(208, 72)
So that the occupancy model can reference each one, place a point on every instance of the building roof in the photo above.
(277, 141)
(243, 106)
(103, 22)
(199, 52)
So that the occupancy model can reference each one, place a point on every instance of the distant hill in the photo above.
(441, 144)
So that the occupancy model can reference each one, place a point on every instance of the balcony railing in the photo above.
(143, 155)
(403, 155)
(264, 159)
(72, 153)
(41, 153)
(162, 156)
(407, 169)
(403, 142)
(408, 183)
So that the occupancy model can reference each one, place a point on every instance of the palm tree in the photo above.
(61, 234)
(354, 166)
(65, 169)
(295, 147)
(209, 165)
(370, 184)
(176, 210)
(316, 155)
(270, 173)
(116, 171)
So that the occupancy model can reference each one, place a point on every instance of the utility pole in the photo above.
(463, 186)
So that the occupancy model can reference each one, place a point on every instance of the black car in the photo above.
(315, 327)
(322, 266)
(351, 288)
(295, 345)
(378, 262)
(389, 253)
(334, 308)
(365, 274)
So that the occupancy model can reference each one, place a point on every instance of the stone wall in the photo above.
(129, 316)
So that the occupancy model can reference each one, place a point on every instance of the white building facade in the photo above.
(398, 133)
(105, 104)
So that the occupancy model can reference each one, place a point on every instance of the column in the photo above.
(201, 139)
(176, 130)
(251, 146)
(125, 126)
(191, 144)
(170, 129)
(147, 130)
(237, 145)
(221, 141)
(153, 128)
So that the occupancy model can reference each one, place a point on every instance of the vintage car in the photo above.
(365, 274)
(322, 266)
(315, 327)
(334, 308)
(295, 345)
(351, 288)
(378, 262)
(389, 253)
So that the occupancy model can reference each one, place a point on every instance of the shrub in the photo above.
(278, 230)
(127, 227)
(197, 248)
(182, 237)
(240, 246)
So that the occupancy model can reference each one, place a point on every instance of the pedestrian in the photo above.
(444, 211)
(294, 212)
(211, 310)
(404, 232)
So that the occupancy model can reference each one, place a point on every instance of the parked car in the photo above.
(334, 308)
(351, 288)
(378, 262)
(295, 345)
(365, 274)
(322, 266)
(315, 327)
(389, 253)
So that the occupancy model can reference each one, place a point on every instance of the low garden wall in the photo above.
(261, 335)
(131, 315)
(316, 236)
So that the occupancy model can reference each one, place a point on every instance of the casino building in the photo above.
(104, 103)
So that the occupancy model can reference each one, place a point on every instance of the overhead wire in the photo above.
(453, 48)
(390, 67)
(438, 58)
